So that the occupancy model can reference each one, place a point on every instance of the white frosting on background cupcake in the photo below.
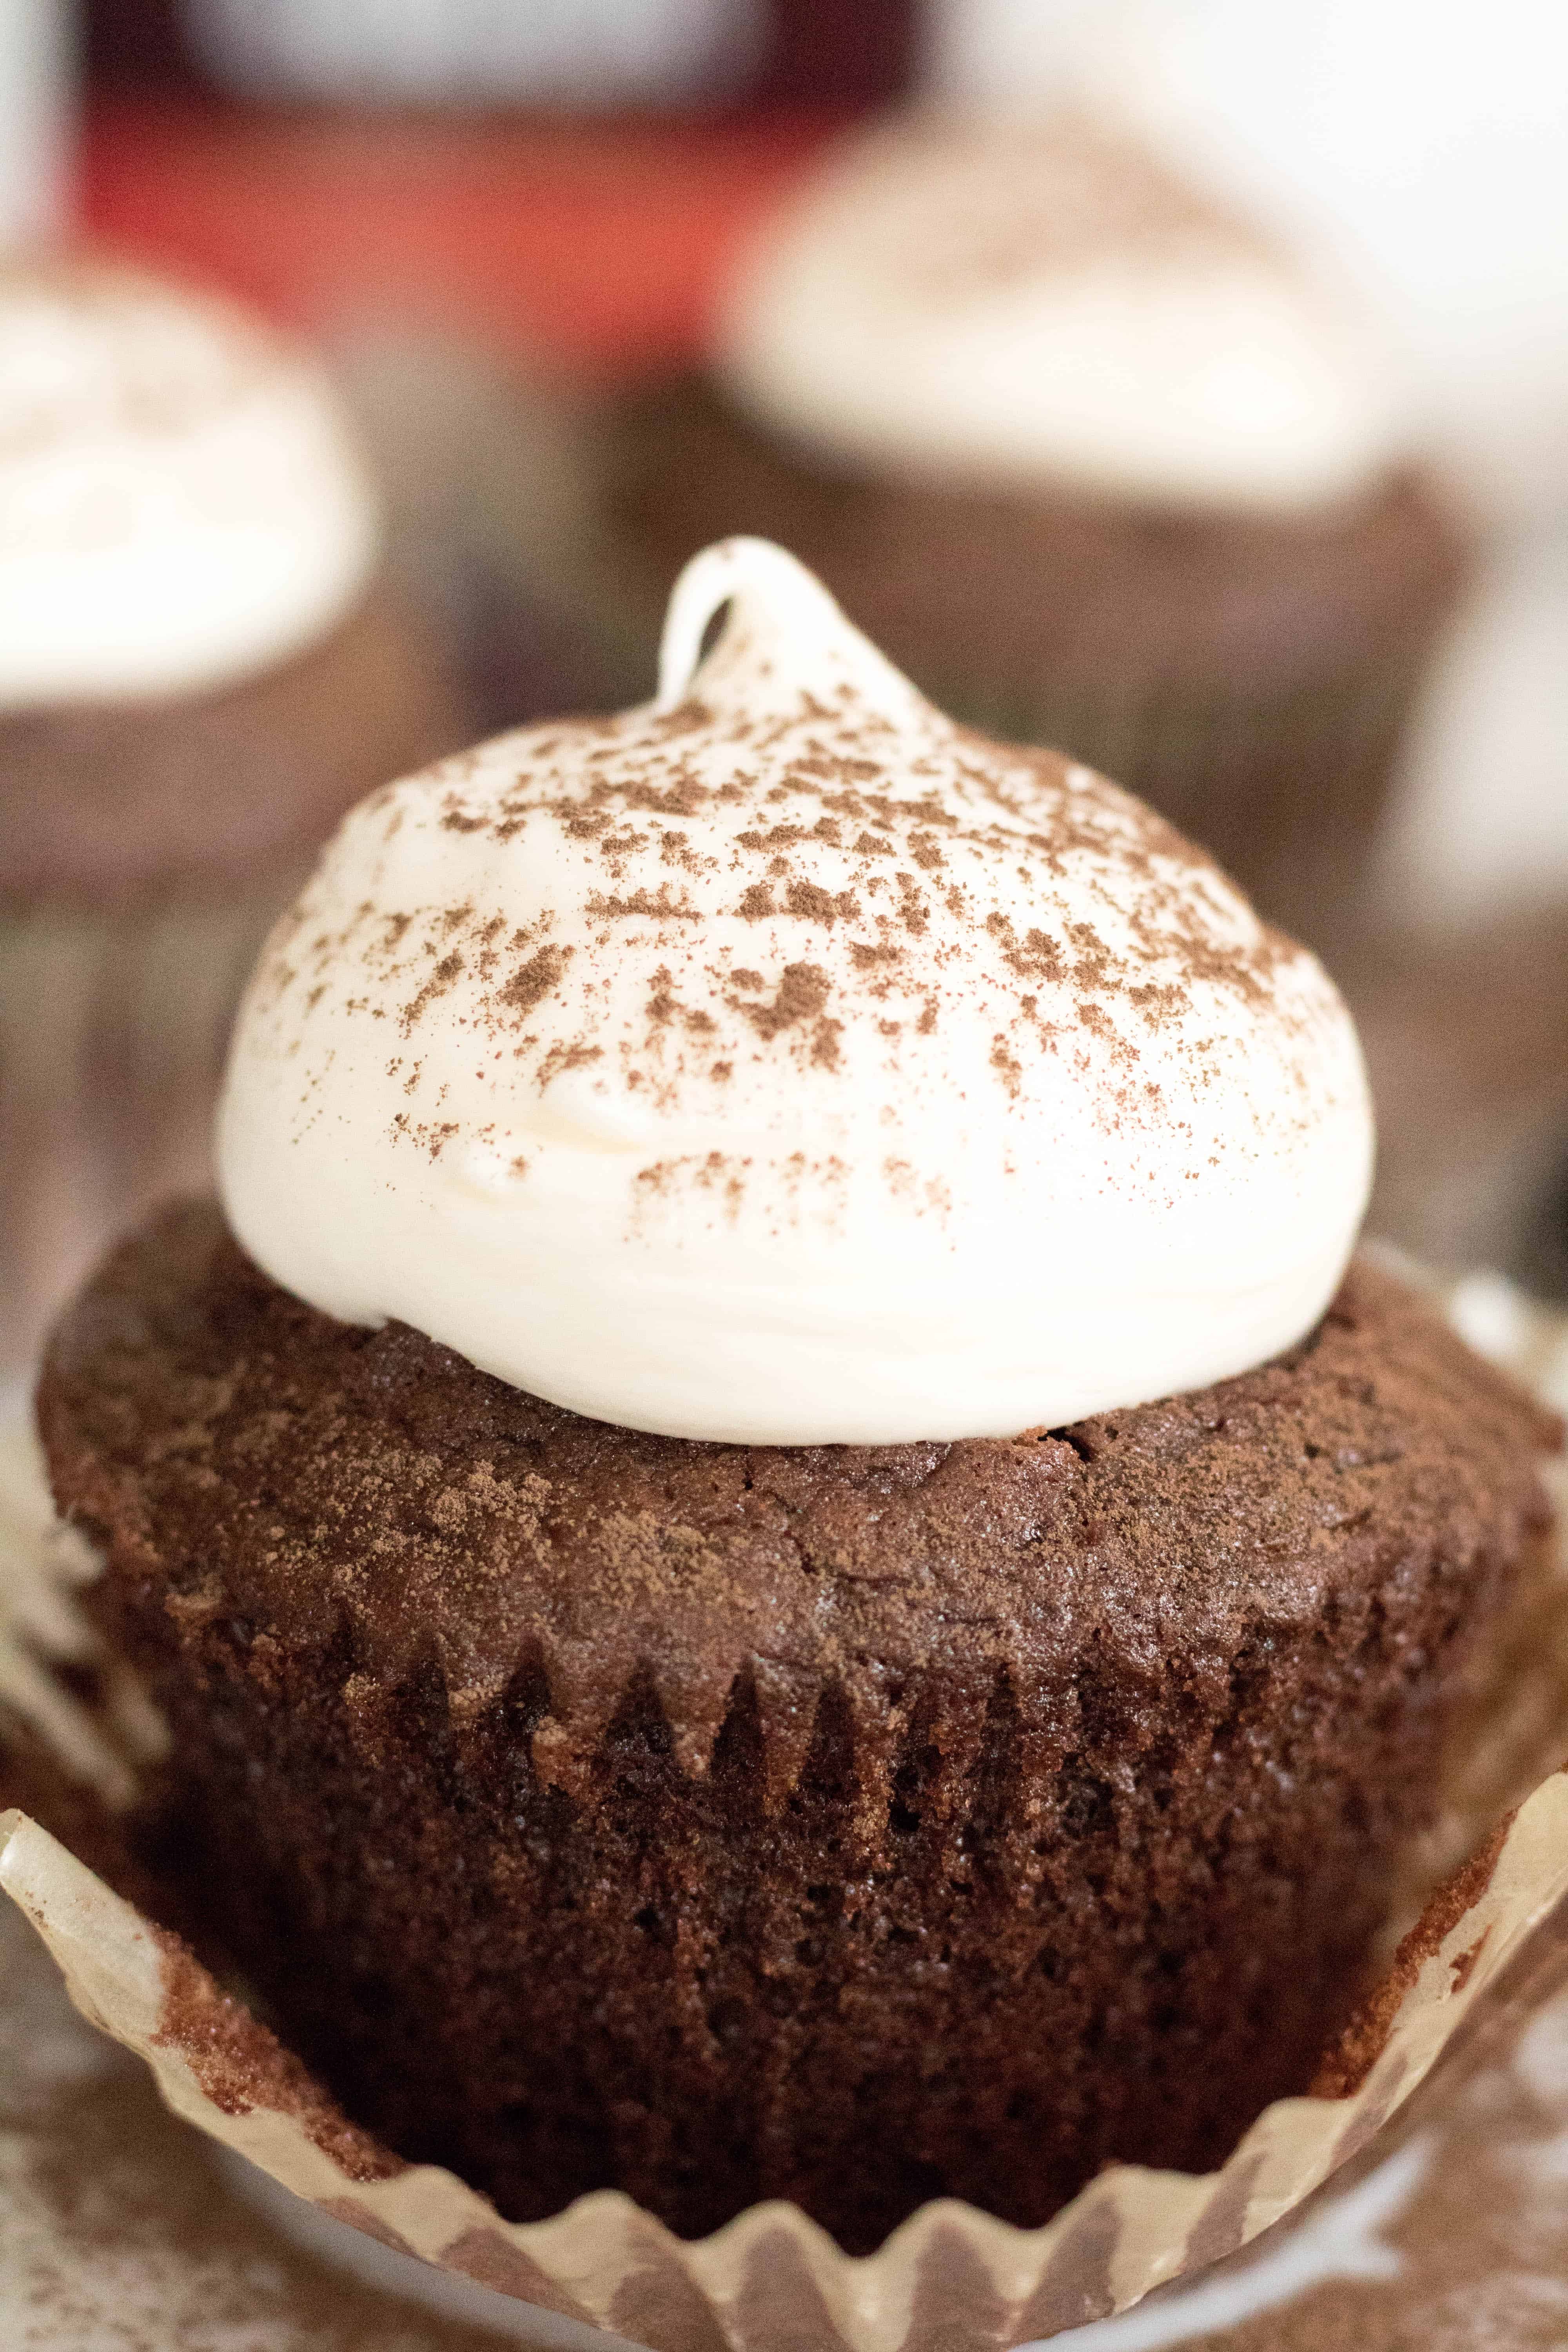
(181, 502)
(1020, 302)
(780, 1062)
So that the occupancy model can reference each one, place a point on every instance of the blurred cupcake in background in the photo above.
(1100, 464)
(202, 662)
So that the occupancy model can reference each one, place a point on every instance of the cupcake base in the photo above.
(848, 1825)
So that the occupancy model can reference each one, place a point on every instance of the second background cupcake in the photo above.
(1101, 465)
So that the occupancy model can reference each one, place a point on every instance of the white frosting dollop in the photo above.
(781, 1061)
(180, 501)
(1015, 302)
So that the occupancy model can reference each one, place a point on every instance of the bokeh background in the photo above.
(503, 226)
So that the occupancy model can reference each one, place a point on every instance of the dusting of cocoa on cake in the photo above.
(825, 824)
(1036, 201)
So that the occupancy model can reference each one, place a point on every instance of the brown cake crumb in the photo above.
(848, 1825)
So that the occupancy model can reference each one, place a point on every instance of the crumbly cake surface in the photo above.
(852, 1825)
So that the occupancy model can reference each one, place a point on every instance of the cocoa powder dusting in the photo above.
(889, 875)
(1036, 202)
(803, 991)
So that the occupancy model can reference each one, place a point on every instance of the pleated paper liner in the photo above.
(951, 2279)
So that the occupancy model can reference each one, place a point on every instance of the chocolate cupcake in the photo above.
(781, 1556)
(1098, 464)
(202, 662)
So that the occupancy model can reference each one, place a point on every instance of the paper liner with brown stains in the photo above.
(951, 2279)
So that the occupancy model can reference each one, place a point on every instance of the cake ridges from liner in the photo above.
(590, 1560)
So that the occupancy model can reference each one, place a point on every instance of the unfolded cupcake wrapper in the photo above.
(951, 2279)
(113, 1031)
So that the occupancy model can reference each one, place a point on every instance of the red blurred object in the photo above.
(589, 245)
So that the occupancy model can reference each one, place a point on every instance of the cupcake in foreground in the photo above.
(202, 663)
(1097, 463)
(784, 1554)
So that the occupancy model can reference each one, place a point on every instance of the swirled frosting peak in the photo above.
(781, 1061)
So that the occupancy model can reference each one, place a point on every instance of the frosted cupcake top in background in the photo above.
(180, 501)
(1012, 301)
